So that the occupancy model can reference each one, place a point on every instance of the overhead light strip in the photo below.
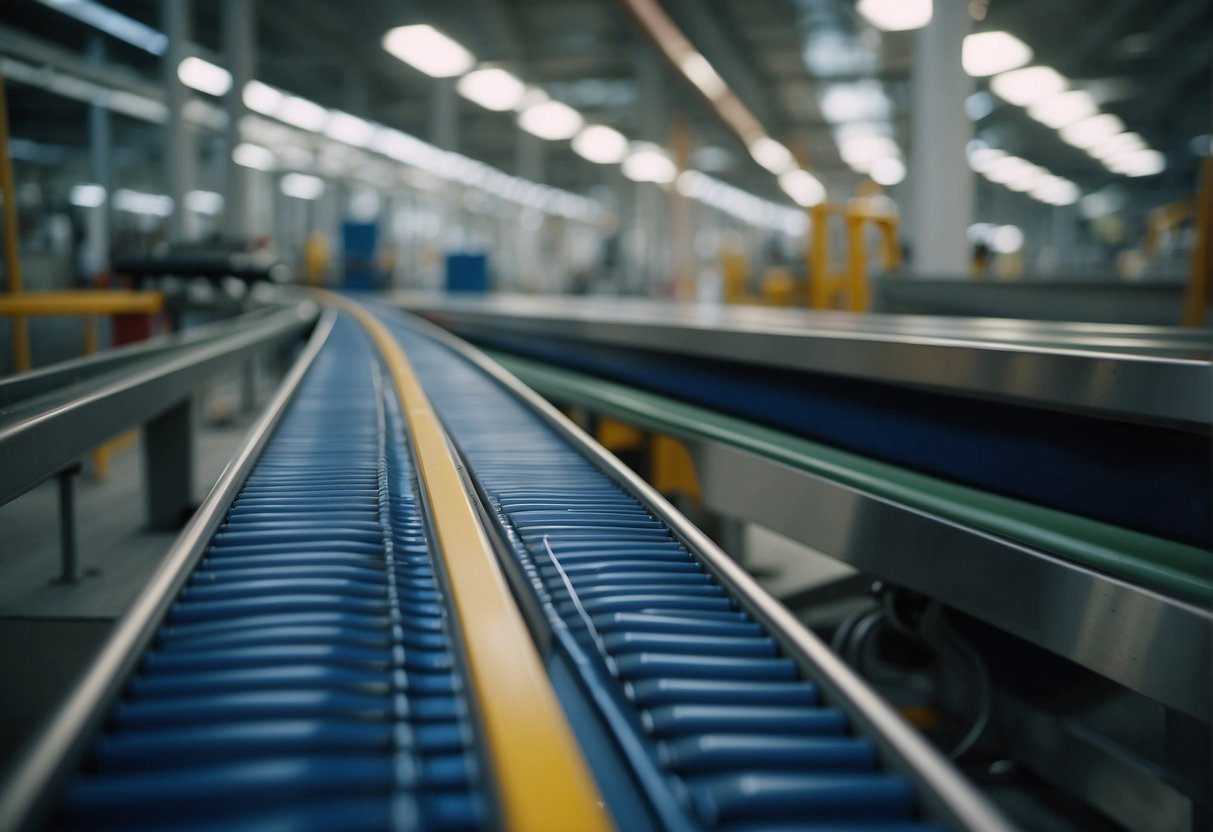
(113, 23)
(492, 87)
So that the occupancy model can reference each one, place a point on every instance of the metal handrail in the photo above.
(44, 380)
(51, 431)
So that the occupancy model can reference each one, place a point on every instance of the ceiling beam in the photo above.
(716, 41)
(1102, 31)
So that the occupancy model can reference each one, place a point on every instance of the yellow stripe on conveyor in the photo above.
(543, 781)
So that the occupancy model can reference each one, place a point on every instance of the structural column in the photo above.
(168, 466)
(179, 155)
(941, 183)
(444, 132)
(238, 42)
(1065, 237)
(100, 147)
(444, 114)
(652, 212)
(529, 151)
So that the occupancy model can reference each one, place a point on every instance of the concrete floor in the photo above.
(51, 631)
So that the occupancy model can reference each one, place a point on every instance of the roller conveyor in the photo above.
(304, 677)
(320, 666)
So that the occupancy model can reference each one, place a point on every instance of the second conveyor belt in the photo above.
(322, 668)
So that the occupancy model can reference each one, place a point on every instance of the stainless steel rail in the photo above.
(1139, 374)
(40, 436)
(1141, 639)
(44, 380)
(56, 751)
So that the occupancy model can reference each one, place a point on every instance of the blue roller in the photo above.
(719, 728)
(304, 678)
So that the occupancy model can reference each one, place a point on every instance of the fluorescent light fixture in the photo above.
(979, 105)
(1006, 239)
(204, 202)
(1023, 86)
(87, 195)
(204, 76)
(896, 15)
(404, 148)
(803, 187)
(1007, 168)
(550, 120)
(1116, 145)
(253, 156)
(302, 186)
(1101, 203)
(349, 129)
(772, 155)
(136, 202)
(492, 88)
(302, 113)
(1063, 109)
(979, 232)
(856, 101)
(262, 98)
(293, 156)
(649, 163)
(364, 205)
(1144, 162)
(692, 184)
(703, 75)
(601, 145)
(887, 171)
(1055, 191)
(426, 49)
(860, 152)
(1025, 177)
(738, 203)
(989, 53)
(1092, 131)
(112, 23)
(981, 159)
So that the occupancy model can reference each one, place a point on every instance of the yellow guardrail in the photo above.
(543, 781)
(82, 302)
(847, 287)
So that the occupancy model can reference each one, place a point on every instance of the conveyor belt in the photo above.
(727, 722)
(323, 666)
(305, 676)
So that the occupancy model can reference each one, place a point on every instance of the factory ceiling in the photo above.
(1144, 62)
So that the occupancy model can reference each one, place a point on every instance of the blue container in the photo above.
(467, 273)
(359, 242)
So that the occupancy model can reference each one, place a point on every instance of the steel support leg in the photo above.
(168, 466)
(69, 566)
